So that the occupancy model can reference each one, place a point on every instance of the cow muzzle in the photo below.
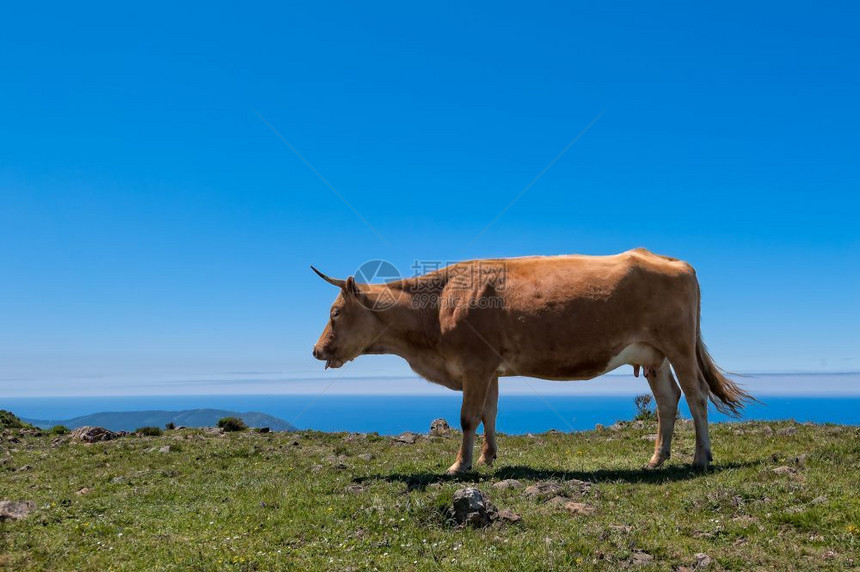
(330, 360)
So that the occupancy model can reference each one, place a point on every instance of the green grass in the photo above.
(314, 501)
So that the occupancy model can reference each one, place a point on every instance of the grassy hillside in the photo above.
(780, 496)
(131, 420)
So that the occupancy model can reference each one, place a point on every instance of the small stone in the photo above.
(641, 559)
(819, 500)
(599, 427)
(24, 468)
(787, 431)
(365, 456)
(509, 516)
(543, 490)
(408, 438)
(508, 484)
(621, 528)
(439, 428)
(83, 491)
(355, 489)
(703, 560)
(15, 510)
(165, 449)
(557, 501)
(652, 437)
(767, 430)
(784, 470)
(579, 508)
(316, 468)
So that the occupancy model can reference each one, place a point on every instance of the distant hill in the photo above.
(8, 420)
(131, 420)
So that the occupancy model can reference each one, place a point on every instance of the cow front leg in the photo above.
(488, 418)
(474, 396)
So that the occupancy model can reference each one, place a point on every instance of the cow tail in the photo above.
(726, 395)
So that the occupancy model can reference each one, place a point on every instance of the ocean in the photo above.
(389, 415)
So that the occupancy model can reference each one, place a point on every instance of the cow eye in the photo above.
(335, 313)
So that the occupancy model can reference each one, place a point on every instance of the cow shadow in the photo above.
(673, 473)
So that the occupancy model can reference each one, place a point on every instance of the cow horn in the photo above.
(329, 279)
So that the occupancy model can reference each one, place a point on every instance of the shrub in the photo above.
(8, 420)
(58, 430)
(170, 426)
(149, 431)
(644, 411)
(232, 424)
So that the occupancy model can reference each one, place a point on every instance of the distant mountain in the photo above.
(131, 420)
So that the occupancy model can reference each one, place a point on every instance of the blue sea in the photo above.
(390, 415)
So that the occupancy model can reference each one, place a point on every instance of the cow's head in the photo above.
(352, 326)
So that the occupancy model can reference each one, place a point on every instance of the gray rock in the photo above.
(165, 449)
(784, 470)
(439, 428)
(509, 516)
(471, 508)
(543, 490)
(641, 559)
(819, 500)
(787, 431)
(703, 560)
(15, 510)
(408, 438)
(93, 434)
(652, 437)
(508, 484)
(365, 456)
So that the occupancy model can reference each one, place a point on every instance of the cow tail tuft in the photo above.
(726, 395)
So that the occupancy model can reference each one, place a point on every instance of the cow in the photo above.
(569, 317)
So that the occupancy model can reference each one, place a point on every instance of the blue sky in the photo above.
(153, 226)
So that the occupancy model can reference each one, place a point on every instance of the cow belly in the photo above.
(580, 365)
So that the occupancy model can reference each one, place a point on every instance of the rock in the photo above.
(543, 490)
(767, 430)
(558, 501)
(365, 456)
(214, 430)
(471, 508)
(800, 459)
(616, 426)
(652, 437)
(579, 508)
(784, 470)
(12, 439)
(24, 468)
(508, 484)
(787, 431)
(15, 510)
(165, 449)
(621, 528)
(818, 500)
(439, 428)
(599, 427)
(703, 560)
(355, 489)
(509, 516)
(93, 434)
(316, 468)
(639, 424)
(263, 429)
(408, 438)
(83, 491)
(583, 486)
(641, 559)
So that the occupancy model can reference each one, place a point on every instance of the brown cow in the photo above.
(555, 317)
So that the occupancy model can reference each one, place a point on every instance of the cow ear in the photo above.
(350, 288)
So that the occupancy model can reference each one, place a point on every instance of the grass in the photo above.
(317, 501)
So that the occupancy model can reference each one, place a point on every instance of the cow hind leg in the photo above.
(475, 392)
(488, 418)
(696, 394)
(666, 393)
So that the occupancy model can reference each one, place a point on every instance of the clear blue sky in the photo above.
(152, 224)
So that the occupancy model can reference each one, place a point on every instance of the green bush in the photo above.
(8, 420)
(58, 430)
(149, 431)
(232, 424)
(644, 411)
(170, 426)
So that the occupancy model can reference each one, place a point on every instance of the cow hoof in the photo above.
(488, 460)
(457, 469)
(654, 463)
